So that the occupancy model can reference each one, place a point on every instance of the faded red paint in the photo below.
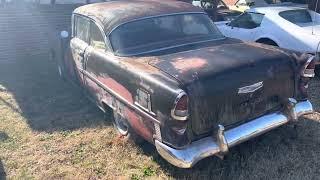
(138, 125)
(117, 87)
(134, 119)
(184, 65)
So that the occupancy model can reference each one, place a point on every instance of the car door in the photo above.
(94, 51)
(246, 27)
(79, 43)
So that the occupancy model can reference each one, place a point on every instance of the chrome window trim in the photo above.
(72, 25)
(75, 29)
(159, 49)
(169, 47)
(100, 26)
(150, 17)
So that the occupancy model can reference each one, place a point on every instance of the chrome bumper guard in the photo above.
(219, 145)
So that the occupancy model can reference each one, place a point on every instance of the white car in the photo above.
(293, 28)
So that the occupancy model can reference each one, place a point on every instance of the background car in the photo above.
(243, 5)
(291, 28)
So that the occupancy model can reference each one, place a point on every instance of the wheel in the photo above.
(124, 129)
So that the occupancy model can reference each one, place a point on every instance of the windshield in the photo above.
(297, 16)
(162, 32)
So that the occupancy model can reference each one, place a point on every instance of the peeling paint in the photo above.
(184, 65)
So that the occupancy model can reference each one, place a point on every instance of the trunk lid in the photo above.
(230, 83)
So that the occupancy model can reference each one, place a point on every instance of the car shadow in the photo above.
(46, 102)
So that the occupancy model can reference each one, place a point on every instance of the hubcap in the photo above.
(121, 125)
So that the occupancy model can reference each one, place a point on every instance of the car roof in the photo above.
(113, 13)
(274, 9)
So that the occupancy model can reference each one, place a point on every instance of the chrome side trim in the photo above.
(251, 88)
(209, 146)
(120, 98)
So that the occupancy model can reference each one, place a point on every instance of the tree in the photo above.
(210, 6)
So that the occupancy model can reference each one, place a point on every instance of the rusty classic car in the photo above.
(167, 75)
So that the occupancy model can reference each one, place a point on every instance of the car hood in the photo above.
(191, 65)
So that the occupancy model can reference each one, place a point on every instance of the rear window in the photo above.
(297, 16)
(162, 32)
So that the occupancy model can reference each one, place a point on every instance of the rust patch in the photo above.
(184, 65)
(141, 64)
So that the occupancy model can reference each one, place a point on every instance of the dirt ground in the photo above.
(49, 130)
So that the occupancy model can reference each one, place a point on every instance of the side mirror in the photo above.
(64, 34)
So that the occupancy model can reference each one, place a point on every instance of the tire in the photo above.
(317, 71)
(124, 129)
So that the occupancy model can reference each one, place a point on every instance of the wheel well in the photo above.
(267, 41)
(107, 110)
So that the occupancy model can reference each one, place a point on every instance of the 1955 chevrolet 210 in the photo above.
(167, 75)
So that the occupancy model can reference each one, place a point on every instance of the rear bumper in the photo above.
(219, 145)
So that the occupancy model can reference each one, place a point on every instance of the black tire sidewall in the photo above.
(317, 71)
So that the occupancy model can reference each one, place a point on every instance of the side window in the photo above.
(82, 26)
(248, 21)
(96, 37)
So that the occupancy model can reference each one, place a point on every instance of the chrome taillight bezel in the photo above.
(308, 73)
(178, 114)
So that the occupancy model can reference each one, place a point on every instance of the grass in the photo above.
(49, 130)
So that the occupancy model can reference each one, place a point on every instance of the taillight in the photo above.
(180, 108)
(307, 73)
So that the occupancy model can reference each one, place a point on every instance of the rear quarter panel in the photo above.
(124, 76)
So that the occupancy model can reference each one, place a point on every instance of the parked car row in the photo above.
(166, 74)
(291, 28)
